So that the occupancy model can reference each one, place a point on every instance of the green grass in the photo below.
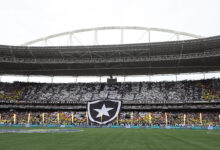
(113, 139)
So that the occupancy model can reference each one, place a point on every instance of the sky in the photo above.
(26, 20)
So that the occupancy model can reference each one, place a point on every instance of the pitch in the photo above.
(113, 139)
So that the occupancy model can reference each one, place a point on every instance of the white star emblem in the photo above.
(103, 111)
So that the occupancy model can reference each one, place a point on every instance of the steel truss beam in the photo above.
(148, 29)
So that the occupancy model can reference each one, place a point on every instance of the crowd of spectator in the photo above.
(124, 118)
(139, 92)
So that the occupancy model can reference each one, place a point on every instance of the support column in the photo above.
(132, 117)
(29, 118)
(58, 117)
(52, 79)
(14, 118)
(200, 116)
(122, 36)
(149, 36)
(76, 79)
(95, 40)
(72, 118)
(184, 119)
(219, 119)
(87, 117)
(28, 78)
(166, 118)
(43, 118)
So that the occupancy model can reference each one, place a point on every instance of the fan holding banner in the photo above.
(103, 111)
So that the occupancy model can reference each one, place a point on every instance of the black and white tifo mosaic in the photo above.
(37, 130)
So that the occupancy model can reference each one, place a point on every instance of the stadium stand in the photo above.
(139, 118)
(156, 103)
(139, 92)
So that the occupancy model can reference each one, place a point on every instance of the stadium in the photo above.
(125, 95)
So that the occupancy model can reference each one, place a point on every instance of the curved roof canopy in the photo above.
(122, 28)
(199, 55)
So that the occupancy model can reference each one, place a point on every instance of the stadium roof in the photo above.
(199, 55)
